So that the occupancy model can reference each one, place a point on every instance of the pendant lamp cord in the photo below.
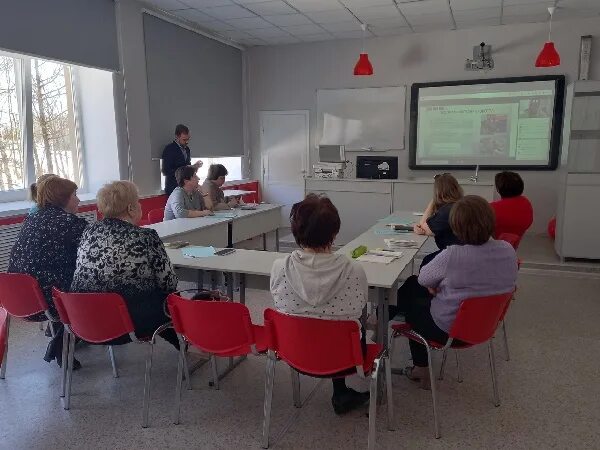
(364, 30)
(551, 11)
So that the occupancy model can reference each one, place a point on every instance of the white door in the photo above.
(284, 145)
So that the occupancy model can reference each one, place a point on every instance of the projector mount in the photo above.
(482, 58)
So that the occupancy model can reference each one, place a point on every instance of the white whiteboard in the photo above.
(365, 118)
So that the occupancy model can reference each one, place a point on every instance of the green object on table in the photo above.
(358, 251)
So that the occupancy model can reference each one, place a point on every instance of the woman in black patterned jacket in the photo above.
(46, 247)
(115, 255)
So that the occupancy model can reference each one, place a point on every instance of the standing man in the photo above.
(176, 155)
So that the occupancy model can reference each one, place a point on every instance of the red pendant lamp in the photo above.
(548, 57)
(363, 65)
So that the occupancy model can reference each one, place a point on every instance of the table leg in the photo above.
(200, 280)
(229, 281)
(213, 280)
(277, 239)
(230, 234)
(382, 316)
(242, 277)
(264, 242)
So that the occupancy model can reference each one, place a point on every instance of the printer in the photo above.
(332, 162)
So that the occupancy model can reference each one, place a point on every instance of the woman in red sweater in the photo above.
(514, 213)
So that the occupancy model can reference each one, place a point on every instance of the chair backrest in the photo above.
(512, 239)
(95, 318)
(478, 318)
(21, 295)
(3, 330)
(216, 327)
(156, 215)
(314, 346)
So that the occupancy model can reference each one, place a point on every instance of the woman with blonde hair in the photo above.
(46, 247)
(115, 255)
(33, 189)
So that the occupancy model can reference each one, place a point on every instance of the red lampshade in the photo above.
(363, 65)
(548, 57)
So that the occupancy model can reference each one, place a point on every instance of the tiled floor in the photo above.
(549, 392)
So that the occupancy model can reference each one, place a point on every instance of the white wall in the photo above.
(99, 134)
(287, 77)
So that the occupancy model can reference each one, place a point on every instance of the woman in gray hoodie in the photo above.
(315, 282)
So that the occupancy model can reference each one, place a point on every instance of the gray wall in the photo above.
(287, 77)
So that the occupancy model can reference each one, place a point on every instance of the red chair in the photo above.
(476, 322)
(21, 296)
(3, 338)
(513, 240)
(323, 348)
(221, 329)
(100, 318)
(156, 215)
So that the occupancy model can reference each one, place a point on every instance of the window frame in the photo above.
(23, 83)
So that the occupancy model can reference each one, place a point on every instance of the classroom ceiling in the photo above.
(260, 22)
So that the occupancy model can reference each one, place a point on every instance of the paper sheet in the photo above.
(198, 252)
(376, 259)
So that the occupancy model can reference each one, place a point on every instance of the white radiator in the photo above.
(9, 233)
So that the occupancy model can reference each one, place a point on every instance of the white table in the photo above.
(250, 223)
(236, 192)
(198, 231)
(385, 278)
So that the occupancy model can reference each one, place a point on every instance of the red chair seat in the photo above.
(260, 335)
(404, 329)
(373, 351)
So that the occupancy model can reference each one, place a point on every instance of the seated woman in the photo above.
(514, 213)
(446, 191)
(212, 187)
(46, 247)
(186, 200)
(481, 266)
(115, 255)
(315, 282)
(33, 189)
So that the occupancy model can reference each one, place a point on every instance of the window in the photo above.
(38, 127)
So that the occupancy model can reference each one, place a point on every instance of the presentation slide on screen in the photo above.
(487, 124)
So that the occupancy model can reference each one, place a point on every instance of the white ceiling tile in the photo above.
(526, 10)
(477, 14)
(424, 7)
(193, 14)
(168, 5)
(388, 22)
(315, 5)
(271, 8)
(460, 5)
(282, 40)
(236, 34)
(430, 19)
(477, 23)
(304, 30)
(342, 26)
(287, 20)
(264, 33)
(376, 12)
(246, 2)
(524, 18)
(526, 2)
(251, 42)
(392, 31)
(228, 12)
(317, 37)
(583, 5)
(431, 27)
(217, 25)
(365, 3)
(206, 3)
(249, 23)
(348, 34)
(338, 15)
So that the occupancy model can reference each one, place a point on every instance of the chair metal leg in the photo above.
(215, 371)
(443, 365)
(269, 380)
(65, 365)
(186, 368)
(147, 376)
(111, 354)
(69, 370)
(42, 326)
(390, 396)
(5, 356)
(179, 383)
(52, 330)
(506, 352)
(436, 423)
(493, 371)
(296, 387)
(373, 405)
(459, 377)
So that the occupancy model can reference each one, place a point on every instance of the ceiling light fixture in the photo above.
(548, 57)
(363, 65)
